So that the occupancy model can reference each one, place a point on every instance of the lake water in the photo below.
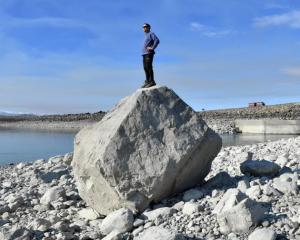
(27, 145)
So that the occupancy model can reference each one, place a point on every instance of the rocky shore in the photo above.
(221, 126)
(40, 200)
(289, 111)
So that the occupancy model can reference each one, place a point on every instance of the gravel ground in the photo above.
(39, 200)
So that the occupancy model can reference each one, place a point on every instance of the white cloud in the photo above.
(291, 19)
(292, 71)
(194, 26)
(208, 31)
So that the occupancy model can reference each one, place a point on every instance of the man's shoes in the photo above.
(148, 84)
(145, 84)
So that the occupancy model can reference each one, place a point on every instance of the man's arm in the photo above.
(155, 40)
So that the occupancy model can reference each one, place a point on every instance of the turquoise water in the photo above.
(27, 145)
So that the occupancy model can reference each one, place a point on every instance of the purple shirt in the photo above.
(151, 40)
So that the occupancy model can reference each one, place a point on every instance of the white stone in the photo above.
(7, 184)
(240, 218)
(150, 146)
(40, 224)
(68, 158)
(138, 222)
(190, 208)
(178, 206)
(286, 183)
(263, 234)
(192, 194)
(159, 233)
(56, 159)
(136, 231)
(53, 194)
(120, 220)
(88, 213)
(114, 235)
(282, 160)
(163, 212)
(243, 185)
(20, 166)
(231, 198)
(254, 192)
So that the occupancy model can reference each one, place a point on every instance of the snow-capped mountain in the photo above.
(8, 113)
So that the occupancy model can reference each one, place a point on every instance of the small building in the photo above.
(256, 104)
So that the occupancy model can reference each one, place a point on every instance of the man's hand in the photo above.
(150, 49)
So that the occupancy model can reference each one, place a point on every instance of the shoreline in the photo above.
(221, 121)
(221, 126)
(73, 126)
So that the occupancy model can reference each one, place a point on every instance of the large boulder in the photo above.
(149, 146)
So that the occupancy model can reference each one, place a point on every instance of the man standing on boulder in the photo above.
(151, 42)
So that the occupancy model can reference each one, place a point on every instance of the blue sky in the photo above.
(70, 56)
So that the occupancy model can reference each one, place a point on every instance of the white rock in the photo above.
(240, 218)
(192, 194)
(138, 222)
(254, 192)
(120, 220)
(20, 166)
(39, 162)
(231, 198)
(114, 235)
(163, 212)
(56, 159)
(40, 224)
(88, 213)
(232, 236)
(263, 234)
(159, 233)
(150, 146)
(6, 184)
(68, 158)
(53, 194)
(190, 208)
(243, 185)
(136, 231)
(282, 160)
(286, 183)
(178, 206)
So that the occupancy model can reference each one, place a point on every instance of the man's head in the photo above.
(146, 27)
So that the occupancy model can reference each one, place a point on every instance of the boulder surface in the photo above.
(149, 146)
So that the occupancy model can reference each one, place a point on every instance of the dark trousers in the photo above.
(147, 62)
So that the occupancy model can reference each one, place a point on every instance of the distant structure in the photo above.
(256, 104)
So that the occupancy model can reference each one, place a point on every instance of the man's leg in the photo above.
(150, 68)
(148, 59)
(145, 64)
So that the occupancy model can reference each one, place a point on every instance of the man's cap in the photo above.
(146, 25)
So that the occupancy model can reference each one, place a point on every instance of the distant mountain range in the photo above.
(15, 114)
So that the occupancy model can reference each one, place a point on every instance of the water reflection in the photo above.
(248, 138)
